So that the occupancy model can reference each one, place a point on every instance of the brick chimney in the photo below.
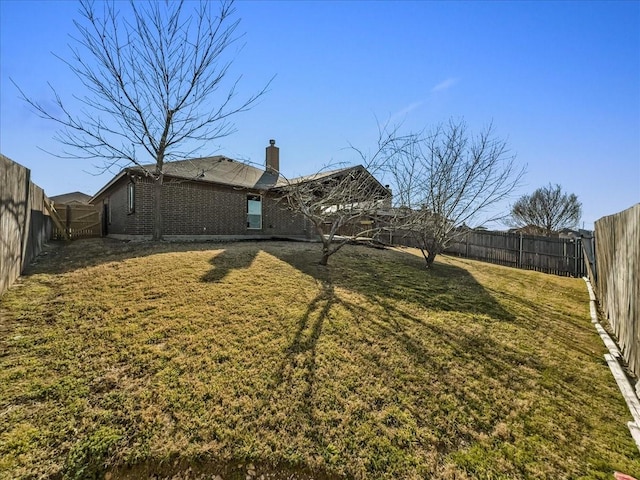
(387, 201)
(273, 157)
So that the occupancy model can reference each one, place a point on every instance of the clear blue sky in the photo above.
(559, 80)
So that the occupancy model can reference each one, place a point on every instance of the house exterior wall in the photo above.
(113, 204)
(197, 208)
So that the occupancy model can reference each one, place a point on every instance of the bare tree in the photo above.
(547, 210)
(333, 199)
(157, 85)
(446, 179)
(344, 204)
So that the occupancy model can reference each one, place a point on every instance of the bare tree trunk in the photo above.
(326, 253)
(154, 83)
(157, 207)
(431, 256)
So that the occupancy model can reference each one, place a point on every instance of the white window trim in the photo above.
(131, 198)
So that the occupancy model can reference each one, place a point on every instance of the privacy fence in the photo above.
(617, 279)
(559, 256)
(25, 223)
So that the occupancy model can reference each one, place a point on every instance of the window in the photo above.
(254, 212)
(131, 197)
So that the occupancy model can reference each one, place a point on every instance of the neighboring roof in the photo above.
(73, 197)
(331, 173)
(320, 175)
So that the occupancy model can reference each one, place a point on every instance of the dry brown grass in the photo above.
(154, 358)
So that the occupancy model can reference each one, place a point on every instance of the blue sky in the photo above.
(559, 80)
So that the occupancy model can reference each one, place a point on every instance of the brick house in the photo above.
(208, 198)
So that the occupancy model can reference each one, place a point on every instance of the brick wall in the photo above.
(198, 208)
(118, 208)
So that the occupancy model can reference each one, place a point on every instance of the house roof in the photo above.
(72, 197)
(225, 171)
(319, 175)
(218, 169)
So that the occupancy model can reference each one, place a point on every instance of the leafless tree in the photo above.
(547, 210)
(348, 203)
(446, 179)
(333, 199)
(157, 85)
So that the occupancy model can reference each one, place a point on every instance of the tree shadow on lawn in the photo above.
(60, 257)
(444, 287)
(398, 286)
(297, 368)
(473, 378)
(390, 285)
(230, 260)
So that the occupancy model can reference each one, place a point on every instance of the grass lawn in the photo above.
(198, 360)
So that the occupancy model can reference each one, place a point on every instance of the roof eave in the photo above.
(109, 184)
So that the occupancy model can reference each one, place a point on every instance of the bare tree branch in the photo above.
(331, 200)
(445, 179)
(157, 80)
(546, 211)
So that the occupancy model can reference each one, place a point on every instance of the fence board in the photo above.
(618, 279)
(559, 256)
(24, 223)
(78, 221)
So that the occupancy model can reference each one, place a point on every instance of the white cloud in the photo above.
(406, 110)
(445, 85)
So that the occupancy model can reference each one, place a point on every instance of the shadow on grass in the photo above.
(227, 261)
(397, 285)
(399, 280)
(392, 284)
(300, 356)
(445, 287)
(59, 257)
(401, 277)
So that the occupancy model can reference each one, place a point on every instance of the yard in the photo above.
(245, 360)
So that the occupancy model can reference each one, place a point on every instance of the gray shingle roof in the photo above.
(221, 170)
(226, 171)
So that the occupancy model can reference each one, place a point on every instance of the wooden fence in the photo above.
(617, 279)
(25, 224)
(559, 256)
(77, 221)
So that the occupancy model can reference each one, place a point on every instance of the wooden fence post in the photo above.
(68, 222)
(520, 252)
(575, 256)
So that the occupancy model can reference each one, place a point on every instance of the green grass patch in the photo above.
(204, 359)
